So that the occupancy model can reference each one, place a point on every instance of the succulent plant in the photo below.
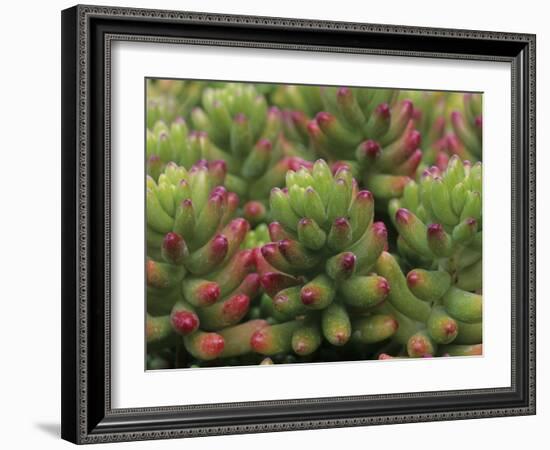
(303, 99)
(325, 273)
(438, 304)
(199, 280)
(169, 99)
(174, 143)
(246, 133)
(429, 114)
(463, 138)
(370, 129)
(467, 126)
(318, 269)
(235, 126)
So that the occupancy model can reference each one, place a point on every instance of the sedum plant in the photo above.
(430, 115)
(438, 303)
(302, 99)
(174, 143)
(370, 129)
(467, 125)
(246, 134)
(318, 269)
(463, 139)
(234, 125)
(199, 280)
(317, 277)
(169, 99)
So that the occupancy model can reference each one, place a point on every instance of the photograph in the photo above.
(290, 223)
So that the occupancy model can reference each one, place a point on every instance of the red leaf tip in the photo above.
(185, 322)
(413, 278)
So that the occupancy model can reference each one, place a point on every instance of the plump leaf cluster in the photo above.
(303, 224)
(233, 124)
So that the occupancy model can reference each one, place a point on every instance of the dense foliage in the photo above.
(290, 224)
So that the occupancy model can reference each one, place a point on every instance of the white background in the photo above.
(132, 387)
(30, 111)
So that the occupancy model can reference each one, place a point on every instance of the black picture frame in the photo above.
(87, 32)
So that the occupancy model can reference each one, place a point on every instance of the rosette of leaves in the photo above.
(299, 104)
(371, 130)
(172, 142)
(430, 113)
(303, 98)
(176, 144)
(467, 125)
(438, 304)
(318, 270)
(246, 133)
(464, 138)
(169, 99)
(200, 282)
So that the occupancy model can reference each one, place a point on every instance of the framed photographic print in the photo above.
(282, 224)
